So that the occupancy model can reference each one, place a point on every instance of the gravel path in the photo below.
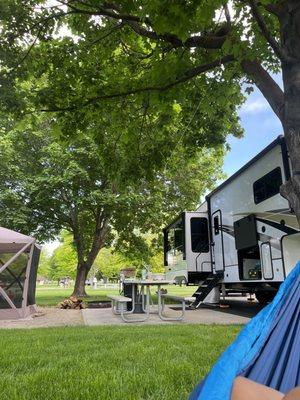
(46, 317)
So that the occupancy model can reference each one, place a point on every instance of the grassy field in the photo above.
(108, 363)
(52, 295)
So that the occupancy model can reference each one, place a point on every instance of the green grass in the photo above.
(108, 363)
(52, 295)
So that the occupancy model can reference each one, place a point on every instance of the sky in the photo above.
(261, 127)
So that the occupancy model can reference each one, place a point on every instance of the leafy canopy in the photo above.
(99, 191)
(71, 57)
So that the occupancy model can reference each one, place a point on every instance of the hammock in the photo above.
(267, 350)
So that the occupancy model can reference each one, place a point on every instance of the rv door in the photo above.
(217, 241)
(197, 242)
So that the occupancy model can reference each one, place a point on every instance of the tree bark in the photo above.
(86, 263)
(286, 103)
(266, 84)
(290, 31)
(79, 287)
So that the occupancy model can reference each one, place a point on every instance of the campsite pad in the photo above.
(204, 315)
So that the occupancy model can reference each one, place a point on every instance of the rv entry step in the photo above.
(205, 288)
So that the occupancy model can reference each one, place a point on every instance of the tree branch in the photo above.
(30, 47)
(206, 42)
(99, 239)
(266, 84)
(227, 14)
(188, 75)
(111, 31)
(209, 41)
(272, 8)
(265, 32)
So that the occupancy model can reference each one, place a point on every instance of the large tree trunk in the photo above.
(79, 287)
(290, 33)
(84, 265)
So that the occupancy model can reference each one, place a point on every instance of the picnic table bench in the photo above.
(118, 303)
(181, 299)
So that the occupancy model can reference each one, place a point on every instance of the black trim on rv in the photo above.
(277, 225)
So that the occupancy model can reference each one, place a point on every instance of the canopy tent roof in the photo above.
(12, 242)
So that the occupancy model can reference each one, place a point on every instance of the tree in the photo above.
(108, 262)
(156, 52)
(100, 191)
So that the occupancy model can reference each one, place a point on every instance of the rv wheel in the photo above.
(265, 297)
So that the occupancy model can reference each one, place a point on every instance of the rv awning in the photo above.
(12, 242)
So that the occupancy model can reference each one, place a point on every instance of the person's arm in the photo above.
(245, 389)
(293, 394)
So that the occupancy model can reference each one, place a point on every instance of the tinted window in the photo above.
(216, 225)
(175, 238)
(199, 235)
(267, 186)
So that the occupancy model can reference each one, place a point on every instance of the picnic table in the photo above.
(140, 289)
(140, 299)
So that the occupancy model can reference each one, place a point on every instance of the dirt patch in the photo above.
(46, 317)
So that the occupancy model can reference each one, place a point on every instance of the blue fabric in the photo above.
(266, 350)
(196, 392)
(277, 365)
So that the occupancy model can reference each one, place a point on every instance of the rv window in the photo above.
(267, 186)
(216, 225)
(175, 239)
(199, 235)
(178, 238)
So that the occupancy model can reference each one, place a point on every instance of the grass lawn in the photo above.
(108, 363)
(52, 295)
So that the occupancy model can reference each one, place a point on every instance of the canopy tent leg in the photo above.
(26, 283)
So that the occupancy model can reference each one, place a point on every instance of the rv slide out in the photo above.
(243, 238)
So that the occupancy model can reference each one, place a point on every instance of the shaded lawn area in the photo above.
(109, 363)
(52, 295)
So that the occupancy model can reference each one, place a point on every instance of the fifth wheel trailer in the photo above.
(243, 238)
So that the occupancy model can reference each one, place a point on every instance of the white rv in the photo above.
(244, 237)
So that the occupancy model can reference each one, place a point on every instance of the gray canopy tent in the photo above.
(19, 259)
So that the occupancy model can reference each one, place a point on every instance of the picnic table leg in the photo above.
(147, 310)
(161, 306)
(122, 309)
(133, 300)
(124, 314)
(148, 297)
